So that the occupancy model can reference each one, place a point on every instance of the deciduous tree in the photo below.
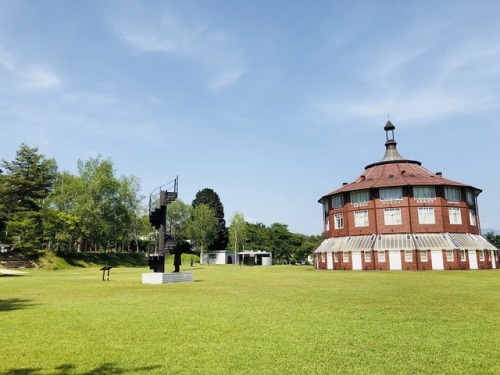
(202, 228)
(210, 197)
(237, 232)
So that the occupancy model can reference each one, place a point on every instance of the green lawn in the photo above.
(251, 320)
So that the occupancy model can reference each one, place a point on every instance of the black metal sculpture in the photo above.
(165, 244)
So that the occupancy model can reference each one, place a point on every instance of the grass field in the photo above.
(251, 320)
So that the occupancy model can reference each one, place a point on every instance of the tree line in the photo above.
(95, 210)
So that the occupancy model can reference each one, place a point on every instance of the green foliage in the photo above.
(107, 209)
(287, 247)
(237, 232)
(211, 198)
(26, 183)
(251, 320)
(28, 180)
(202, 228)
(22, 231)
(493, 239)
(178, 216)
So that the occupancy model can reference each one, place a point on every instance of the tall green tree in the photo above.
(211, 198)
(237, 232)
(25, 184)
(108, 208)
(283, 243)
(178, 216)
(202, 228)
(28, 179)
(257, 237)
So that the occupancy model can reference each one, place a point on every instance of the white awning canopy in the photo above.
(394, 242)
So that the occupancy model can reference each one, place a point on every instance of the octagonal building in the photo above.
(397, 215)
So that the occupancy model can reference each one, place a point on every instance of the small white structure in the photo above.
(217, 257)
(255, 258)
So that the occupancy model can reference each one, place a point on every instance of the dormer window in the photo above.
(424, 193)
(391, 194)
(469, 196)
(360, 198)
(452, 194)
(338, 201)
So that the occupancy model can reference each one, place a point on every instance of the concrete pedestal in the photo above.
(165, 278)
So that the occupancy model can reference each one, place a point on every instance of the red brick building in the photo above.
(397, 215)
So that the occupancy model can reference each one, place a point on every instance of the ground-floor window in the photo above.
(335, 257)
(463, 258)
(381, 256)
(323, 257)
(449, 255)
(423, 255)
(408, 256)
(368, 256)
(481, 255)
(345, 256)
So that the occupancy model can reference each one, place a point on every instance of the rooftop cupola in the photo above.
(391, 152)
(389, 127)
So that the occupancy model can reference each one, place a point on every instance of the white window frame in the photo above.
(424, 193)
(335, 257)
(392, 216)
(449, 256)
(368, 256)
(345, 257)
(463, 256)
(381, 256)
(361, 218)
(338, 201)
(452, 194)
(480, 254)
(360, 198)
(426, 215)
(338, 221)
(455, 215)
(472, 217)
(323, 257)
(423, 256)
(408, 256)
(391, 194)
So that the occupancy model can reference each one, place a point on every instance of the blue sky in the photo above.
(270, 103)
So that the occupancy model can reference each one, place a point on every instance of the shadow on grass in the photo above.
(70, 369)
(111, 259)
(14, 304)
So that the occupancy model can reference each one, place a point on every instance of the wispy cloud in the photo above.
(209, 47)
(426, 71)
(30, 76)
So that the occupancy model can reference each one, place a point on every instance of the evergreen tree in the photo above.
(24, 186)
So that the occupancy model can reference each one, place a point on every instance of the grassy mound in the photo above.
(52, 260)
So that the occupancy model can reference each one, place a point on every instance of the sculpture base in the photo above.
(166, 278)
